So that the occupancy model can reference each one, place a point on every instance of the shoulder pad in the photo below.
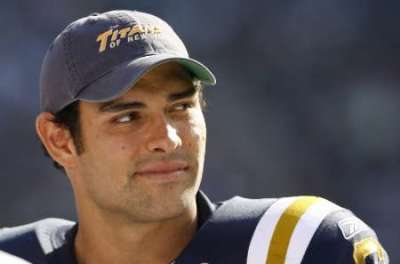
(308, 230)
(33, 241)
(9, 259)
(225, 236)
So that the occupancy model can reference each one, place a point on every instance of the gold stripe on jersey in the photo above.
(366, 247)
(285, 227)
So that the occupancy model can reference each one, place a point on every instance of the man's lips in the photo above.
(162, 167)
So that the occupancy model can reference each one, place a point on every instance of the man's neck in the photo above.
(159, 243)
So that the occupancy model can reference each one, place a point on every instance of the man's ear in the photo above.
(57, 139)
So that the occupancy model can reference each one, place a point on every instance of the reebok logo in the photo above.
(112, 38)
(351, 226)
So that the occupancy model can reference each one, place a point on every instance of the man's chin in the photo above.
(175, 201)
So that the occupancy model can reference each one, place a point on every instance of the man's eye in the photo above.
(183, 106)
(126, 118)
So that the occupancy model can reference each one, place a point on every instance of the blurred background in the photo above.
(307, 101)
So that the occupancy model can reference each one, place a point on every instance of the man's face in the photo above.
(143, 152)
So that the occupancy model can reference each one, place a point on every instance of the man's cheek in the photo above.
(198, 126)
(197, 137)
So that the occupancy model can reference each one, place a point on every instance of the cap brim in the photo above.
(118, 81)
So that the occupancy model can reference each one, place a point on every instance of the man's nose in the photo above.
(164, 137)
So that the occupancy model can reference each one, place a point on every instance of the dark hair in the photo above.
(69, 117)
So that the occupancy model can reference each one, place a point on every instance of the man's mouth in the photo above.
(163, 171)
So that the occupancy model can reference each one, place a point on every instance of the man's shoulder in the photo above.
(306, 228)
(45, 231)
(35, 240)
(43, 224)
(10, 259)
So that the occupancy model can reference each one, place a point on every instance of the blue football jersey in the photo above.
(289, 230)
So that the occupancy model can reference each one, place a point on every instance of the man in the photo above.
(122, 115)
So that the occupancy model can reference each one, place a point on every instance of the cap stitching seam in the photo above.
(71, 65)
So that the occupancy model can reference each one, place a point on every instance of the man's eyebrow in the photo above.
(115, 106)
(181, 95)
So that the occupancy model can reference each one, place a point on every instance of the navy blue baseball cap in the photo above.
(100, 57)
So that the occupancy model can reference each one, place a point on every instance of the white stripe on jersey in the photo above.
(303, 232)
(6, 258)
(259, 245)
(305, 229)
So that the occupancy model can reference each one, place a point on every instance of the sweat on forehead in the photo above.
(170, 79)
